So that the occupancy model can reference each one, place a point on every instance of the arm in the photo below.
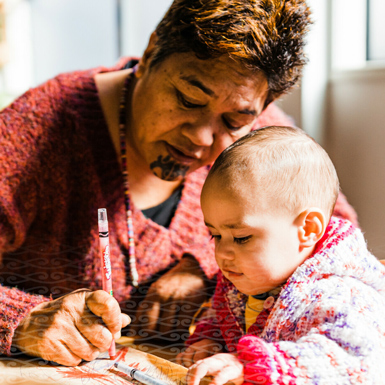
(14, 306)
(26, 148)
(80, 324)
(175, 297)
(17, 206)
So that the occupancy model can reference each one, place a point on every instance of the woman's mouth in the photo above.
(183, 157)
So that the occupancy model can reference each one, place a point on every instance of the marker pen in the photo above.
(138, 375)
(105, 261)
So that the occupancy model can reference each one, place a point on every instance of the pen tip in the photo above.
(115, 364)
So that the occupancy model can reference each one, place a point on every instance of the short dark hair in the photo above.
(262, 35)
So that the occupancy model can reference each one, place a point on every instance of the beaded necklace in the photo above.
(123, 156)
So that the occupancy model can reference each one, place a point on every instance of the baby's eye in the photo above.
(242, 240)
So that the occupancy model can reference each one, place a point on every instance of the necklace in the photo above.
(123, 155)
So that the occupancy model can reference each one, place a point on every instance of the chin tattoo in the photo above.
(170, 169)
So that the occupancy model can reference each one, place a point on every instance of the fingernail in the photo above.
(117, 335)
(126, 318)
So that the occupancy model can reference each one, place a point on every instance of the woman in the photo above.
(207, 77)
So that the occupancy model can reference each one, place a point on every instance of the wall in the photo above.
(352, 127)
(341, 104)
(138, 19)
(355, 140)
(73, 34)
(47, 37)
(16, 75)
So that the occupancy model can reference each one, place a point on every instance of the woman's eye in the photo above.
(185, 102)
(215, 237)
(242, 240)
(230, 126)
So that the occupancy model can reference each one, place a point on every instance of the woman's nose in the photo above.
(201, 134)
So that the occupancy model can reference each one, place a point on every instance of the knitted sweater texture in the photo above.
(58, 166)
(327, 326)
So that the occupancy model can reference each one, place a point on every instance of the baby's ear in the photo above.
(311, 226)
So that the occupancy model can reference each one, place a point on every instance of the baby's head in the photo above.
(267, 201)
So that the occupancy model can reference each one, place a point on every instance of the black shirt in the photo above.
(164, 212)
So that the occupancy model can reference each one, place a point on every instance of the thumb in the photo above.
(125, 318)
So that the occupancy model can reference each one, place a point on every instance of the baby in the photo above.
(299, 299)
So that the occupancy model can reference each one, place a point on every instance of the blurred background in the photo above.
(340, 101)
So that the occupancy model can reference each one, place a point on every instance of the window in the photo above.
(375, 30)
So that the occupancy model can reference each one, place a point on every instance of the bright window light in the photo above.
(376, 30)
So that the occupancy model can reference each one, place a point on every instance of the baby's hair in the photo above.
(261, 35)
(284, 163)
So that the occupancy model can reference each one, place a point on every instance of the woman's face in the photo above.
(186, 111)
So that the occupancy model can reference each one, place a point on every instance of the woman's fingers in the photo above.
(61, 342)
(125, 319)
(74, 327)
(78, 346)
(62, 355)
(92, 329)
(107, 308)
(102, 320)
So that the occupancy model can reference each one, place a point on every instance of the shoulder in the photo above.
(81, 80)
(340, 256)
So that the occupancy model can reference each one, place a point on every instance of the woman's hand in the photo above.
(198, 351)
(224, 367)
(172, 300)
(76, 326)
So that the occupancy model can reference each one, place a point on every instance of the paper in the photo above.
(33, 371)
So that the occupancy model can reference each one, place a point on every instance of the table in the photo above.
(154, 359)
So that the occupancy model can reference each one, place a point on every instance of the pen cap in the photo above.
(102, 220)
(102, 215)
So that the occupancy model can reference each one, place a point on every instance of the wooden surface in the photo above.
(25, 370)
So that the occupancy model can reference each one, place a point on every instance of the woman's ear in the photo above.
(145, 60)
(311, 227)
